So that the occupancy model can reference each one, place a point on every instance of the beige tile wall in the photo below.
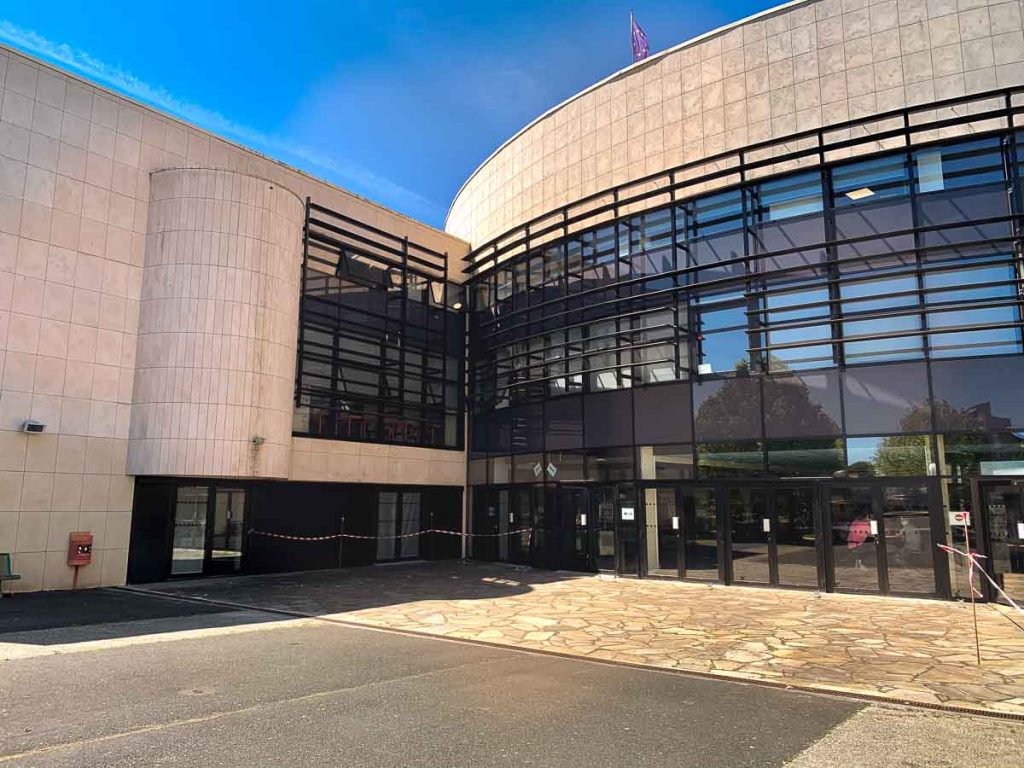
(75, 190)
(338, 461)
(805, 66)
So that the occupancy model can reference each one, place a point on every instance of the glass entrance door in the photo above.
(398, 525)
(749, 535)
(209, 527)
(909, 552)
(700, 534)
(1003, 504)
(578, 520)
(484, 545)
(663, 525)
(772, 536)
(880, 538)
(795, 553)
(603, 508)
(188, 547)
(855, 535)
(225, 552)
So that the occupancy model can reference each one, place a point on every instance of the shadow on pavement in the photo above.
(316, 593)
(52, 618)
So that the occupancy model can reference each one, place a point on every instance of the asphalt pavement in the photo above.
(313, 693)
(332, 695)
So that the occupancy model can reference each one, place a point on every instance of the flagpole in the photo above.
(632, 55)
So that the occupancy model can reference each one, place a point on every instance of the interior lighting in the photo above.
(860, 194)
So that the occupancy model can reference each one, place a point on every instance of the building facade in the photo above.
(154, 281)
(749, 311)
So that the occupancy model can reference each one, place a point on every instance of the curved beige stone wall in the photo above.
(795, 67)
(218, 322)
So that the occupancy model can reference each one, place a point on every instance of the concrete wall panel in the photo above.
(215, 367)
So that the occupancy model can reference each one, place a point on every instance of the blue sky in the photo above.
(397, 101)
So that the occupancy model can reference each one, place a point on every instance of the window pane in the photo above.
(789, 348)
(500, 469)
(972, 455)
(979, 395)
(862, 184)
(891, 456)
(663, 414)
(478, 472)
(527, 427)
(665, 462)
(528, 468)
(802, 405)
(609, 418)
(957, 166)
(872, 198)
(805, 458)
(564, 423)
(886, 398)
(865, 298)
(730, 459)
(610, 465)
(727, 409)
(568, 466)
(785, 210)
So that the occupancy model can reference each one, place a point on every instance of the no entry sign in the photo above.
(959, 517)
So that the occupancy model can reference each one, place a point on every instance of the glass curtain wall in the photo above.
(856, 322)
(381, 338)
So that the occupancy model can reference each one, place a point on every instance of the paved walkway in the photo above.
(902, 649)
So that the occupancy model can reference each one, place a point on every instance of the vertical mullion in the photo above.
(299, 354)
(403, 330)
(832, 276)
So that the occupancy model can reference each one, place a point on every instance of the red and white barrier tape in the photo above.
(972, 563)
(334, 536)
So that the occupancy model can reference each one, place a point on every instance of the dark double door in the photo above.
(598, 528)
(772, 536)
(580, 528)
(735, 534)
(682, 529)
(207, 531)
(881, 537)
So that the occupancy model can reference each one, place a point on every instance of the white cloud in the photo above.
(345, 172)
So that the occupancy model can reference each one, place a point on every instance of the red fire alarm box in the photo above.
(80, 548)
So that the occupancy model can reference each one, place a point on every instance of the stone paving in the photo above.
(903, 649)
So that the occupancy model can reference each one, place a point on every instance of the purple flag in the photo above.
(640, 48)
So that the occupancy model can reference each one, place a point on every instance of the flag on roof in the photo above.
(640, 48)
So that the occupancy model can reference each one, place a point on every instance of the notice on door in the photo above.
(675, 523)
(959, 517)
(628, 513)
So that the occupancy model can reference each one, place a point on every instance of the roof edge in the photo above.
(66, 72)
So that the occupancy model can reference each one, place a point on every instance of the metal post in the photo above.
(970, 586)
(341, 542)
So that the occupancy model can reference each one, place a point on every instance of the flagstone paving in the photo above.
(921, 651)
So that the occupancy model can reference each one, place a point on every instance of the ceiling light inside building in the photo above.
(860, 194)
